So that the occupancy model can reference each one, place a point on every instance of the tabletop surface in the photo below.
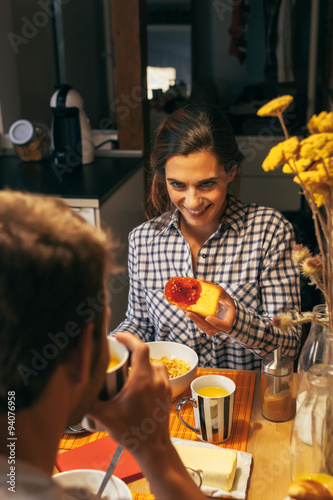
(97, 180)
(268, 442)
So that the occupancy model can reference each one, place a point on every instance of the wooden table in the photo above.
(269, 444)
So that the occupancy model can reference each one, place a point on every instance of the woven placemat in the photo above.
(245, 383)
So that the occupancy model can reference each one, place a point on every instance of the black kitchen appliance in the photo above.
(71, 139)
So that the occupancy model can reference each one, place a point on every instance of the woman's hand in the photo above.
(224, 319)
(138, 416)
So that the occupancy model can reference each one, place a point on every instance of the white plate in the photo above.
(239, 488)
(91, 479)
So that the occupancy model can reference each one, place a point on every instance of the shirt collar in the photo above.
(234, 214)
(174, 219)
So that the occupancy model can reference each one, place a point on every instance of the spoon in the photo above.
(111, 468)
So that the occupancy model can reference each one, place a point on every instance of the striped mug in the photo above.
(213, 399)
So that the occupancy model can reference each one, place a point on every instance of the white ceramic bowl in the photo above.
(180, 351)
(91, 480)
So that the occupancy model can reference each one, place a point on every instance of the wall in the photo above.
(121, 213)
(10, 105)
(30, 61)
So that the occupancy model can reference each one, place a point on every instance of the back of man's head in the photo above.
(53, 267)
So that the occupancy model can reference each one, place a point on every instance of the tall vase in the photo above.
(317, 349)
(310, 439)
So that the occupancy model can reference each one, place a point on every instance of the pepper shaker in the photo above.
(276, 386)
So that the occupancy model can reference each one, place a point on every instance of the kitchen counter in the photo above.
(96, 181)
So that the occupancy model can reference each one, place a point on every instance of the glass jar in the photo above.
(31, 141)
(312, 423)
(276, 387)
(317, 349)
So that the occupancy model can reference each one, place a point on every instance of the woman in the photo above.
(200, 230)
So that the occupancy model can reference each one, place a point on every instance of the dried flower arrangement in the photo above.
(310, 161)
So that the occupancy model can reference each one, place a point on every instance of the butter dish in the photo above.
(244, 460)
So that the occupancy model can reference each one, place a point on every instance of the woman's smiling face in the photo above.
(197, 186)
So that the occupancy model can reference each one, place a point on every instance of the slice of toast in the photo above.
(193, 295)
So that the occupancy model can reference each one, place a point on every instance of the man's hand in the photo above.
(138, 416)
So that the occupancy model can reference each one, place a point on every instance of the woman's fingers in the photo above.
(202, 323)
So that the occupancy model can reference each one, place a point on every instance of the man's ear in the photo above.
(80, 358)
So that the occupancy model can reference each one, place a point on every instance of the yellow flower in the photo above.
(317, 146)
(296, 166)
(280, 154)
(310, 161)
(320, 199)
(320, 172)
(321, 123)
(312, 149)
(318, 180)
(276, 106)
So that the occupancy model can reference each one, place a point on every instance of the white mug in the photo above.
(116, 376)
(212, 414)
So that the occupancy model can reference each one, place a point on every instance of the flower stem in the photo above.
(284, 128)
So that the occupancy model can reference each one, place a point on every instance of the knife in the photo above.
(111, 468)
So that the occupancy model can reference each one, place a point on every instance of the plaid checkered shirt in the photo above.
(249, 255)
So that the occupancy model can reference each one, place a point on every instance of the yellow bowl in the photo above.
(173, 350)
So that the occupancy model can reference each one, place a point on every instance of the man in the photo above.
(54, 356)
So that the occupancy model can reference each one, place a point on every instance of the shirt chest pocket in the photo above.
(154, 294)
(156, 284)
(162, 314)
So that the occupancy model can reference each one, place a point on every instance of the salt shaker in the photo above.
(276, 386)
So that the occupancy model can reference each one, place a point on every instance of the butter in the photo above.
(218, 464)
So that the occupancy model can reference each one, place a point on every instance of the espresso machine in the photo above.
(71, 138)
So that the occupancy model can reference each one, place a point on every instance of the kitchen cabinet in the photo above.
(109, 193)
(271, 189)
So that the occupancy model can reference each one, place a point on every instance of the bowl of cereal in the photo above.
(180, 360)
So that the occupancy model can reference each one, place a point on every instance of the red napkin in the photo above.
(97, 455)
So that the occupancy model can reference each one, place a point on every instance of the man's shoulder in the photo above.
(25, 482)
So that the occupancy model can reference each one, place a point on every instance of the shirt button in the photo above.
(204, 255)
(203, 335)
(207, 364)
